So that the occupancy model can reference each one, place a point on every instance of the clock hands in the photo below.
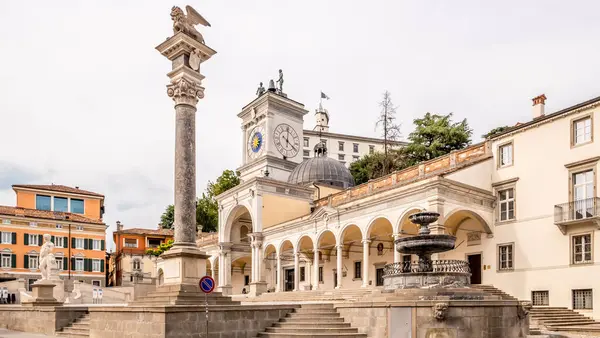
(288, 142)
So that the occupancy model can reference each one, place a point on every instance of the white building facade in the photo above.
(523, 205)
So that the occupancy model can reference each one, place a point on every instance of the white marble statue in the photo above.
(47, 260)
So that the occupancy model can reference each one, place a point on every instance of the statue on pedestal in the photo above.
(280, 81)
(47, 260)
(261, 90)
(185, 23)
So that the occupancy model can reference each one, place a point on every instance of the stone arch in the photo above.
(326, 243)
(404, 226)
(305, 244)
(231, 231)
(285, 245)
(350, 235)
(379, 227)
(467, 220)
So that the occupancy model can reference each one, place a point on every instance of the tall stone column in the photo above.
(296, 271)
(397, 255)
(279, 275)
(184, 264)
(366, 269)
(258, 285)
(316, 269)
(340, 256)
(225, 269)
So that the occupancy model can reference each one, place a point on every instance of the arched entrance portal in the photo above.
(288, 268)
(380, 238)
(469, 228)
(351, 240)
(236, 272)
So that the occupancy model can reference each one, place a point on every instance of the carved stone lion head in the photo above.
(440, 310)
(176, 13)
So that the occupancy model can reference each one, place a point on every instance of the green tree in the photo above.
(226, 181)
(495, 131)
(373, 166)
(161, 248)
(435, 135)
(207, 215)
(168, 217)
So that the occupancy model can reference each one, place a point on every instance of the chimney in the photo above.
(539, 103)
(119, 226)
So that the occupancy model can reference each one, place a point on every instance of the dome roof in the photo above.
(322, 169)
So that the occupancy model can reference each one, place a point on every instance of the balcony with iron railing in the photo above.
(583, 211)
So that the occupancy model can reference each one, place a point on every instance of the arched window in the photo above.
(137, 265)
(243, 233)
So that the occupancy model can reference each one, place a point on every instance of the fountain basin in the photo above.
(425, 244)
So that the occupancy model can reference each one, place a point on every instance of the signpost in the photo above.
(207, 285)
(100, 296)
(95, 296)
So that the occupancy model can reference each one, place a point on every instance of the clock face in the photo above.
(286, 140)
(256, 139)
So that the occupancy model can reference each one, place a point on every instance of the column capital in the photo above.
(185, 91)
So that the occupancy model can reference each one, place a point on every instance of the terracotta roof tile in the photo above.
(140, 231)
(54, 215)
(59, 188)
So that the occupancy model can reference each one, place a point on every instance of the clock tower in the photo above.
(272, 136)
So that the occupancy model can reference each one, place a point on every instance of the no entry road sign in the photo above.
(207, 284)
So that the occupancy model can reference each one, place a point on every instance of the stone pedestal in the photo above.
(226, 290)
(42, 294)
(183, 265)
(257, 288)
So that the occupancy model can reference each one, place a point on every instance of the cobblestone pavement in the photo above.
(14, 334)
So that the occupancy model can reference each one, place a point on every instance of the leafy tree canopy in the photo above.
(161, 248)
(495, 131)
(207, 215)
(434, 135)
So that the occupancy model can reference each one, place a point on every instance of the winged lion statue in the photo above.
(185, 23)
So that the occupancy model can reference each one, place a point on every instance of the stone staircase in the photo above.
(490, 289)
(312, 320)
(183, 295)
(80, 328)
(309, 296)
(562, 319)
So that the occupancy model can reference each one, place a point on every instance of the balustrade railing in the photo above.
(442, 265)
(576, 210)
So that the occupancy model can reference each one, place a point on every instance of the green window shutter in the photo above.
(66, 243)
(26, 263)
(72, 247)
(40, 240)
(52, 239)
(86, 262)
(102, 265)
(13, 260)
(65, 263)
(26, 239)
(72, 263)
(102, 245)
(85, 244)
(14, 238)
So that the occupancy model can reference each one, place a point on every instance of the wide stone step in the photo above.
(313, 314)
(316, 306)
(73, 334)
(558, 315)
(313, 330)
(302, 325)
(85, 325)
(584, 328)
(311, 335)
(314, 310)
(568, 322)
(312, 320)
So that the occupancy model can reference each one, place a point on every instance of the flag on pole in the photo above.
(323, 96)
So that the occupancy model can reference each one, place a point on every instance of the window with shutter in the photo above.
(85, 244)
(102, 245)
(65, 264)
(14, 238)
(66, 242)
(52, 239)
(102, 264)
(26, 239)
(72, 243)
(26, 262)
(72, 263)
(13, 261)
(40, 240)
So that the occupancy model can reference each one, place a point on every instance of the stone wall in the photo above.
(240, 321)
(463, 319)
(46, 319)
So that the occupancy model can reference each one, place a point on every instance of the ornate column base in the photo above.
(257, 288)
(43, 294)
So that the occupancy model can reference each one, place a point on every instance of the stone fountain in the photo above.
(426, 273)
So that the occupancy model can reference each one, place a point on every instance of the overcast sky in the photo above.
(83, 99)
